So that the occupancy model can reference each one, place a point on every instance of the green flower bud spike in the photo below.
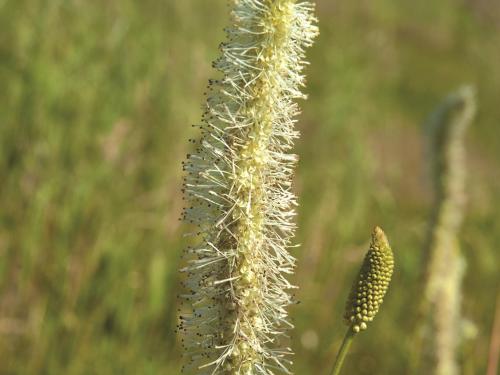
(367, 292)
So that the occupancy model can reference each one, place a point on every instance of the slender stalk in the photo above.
(494, 342)
(344, 348)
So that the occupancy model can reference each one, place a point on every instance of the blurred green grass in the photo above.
(96, 102)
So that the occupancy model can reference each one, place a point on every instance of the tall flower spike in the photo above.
(238, 188)
(440, 328)
(370, 286)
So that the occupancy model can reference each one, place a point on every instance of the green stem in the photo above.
(349, 336)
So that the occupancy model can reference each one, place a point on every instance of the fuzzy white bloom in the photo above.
(238, 188)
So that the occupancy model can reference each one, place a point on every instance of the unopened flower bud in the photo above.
(371, 284)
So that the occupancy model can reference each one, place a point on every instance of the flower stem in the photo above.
(349, 336)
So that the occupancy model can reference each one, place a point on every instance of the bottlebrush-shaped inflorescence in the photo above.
(238, 189)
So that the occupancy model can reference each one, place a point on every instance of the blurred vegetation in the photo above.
(96, 102)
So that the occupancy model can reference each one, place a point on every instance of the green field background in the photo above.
(96, 102)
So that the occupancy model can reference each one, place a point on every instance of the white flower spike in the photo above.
(238, 189)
